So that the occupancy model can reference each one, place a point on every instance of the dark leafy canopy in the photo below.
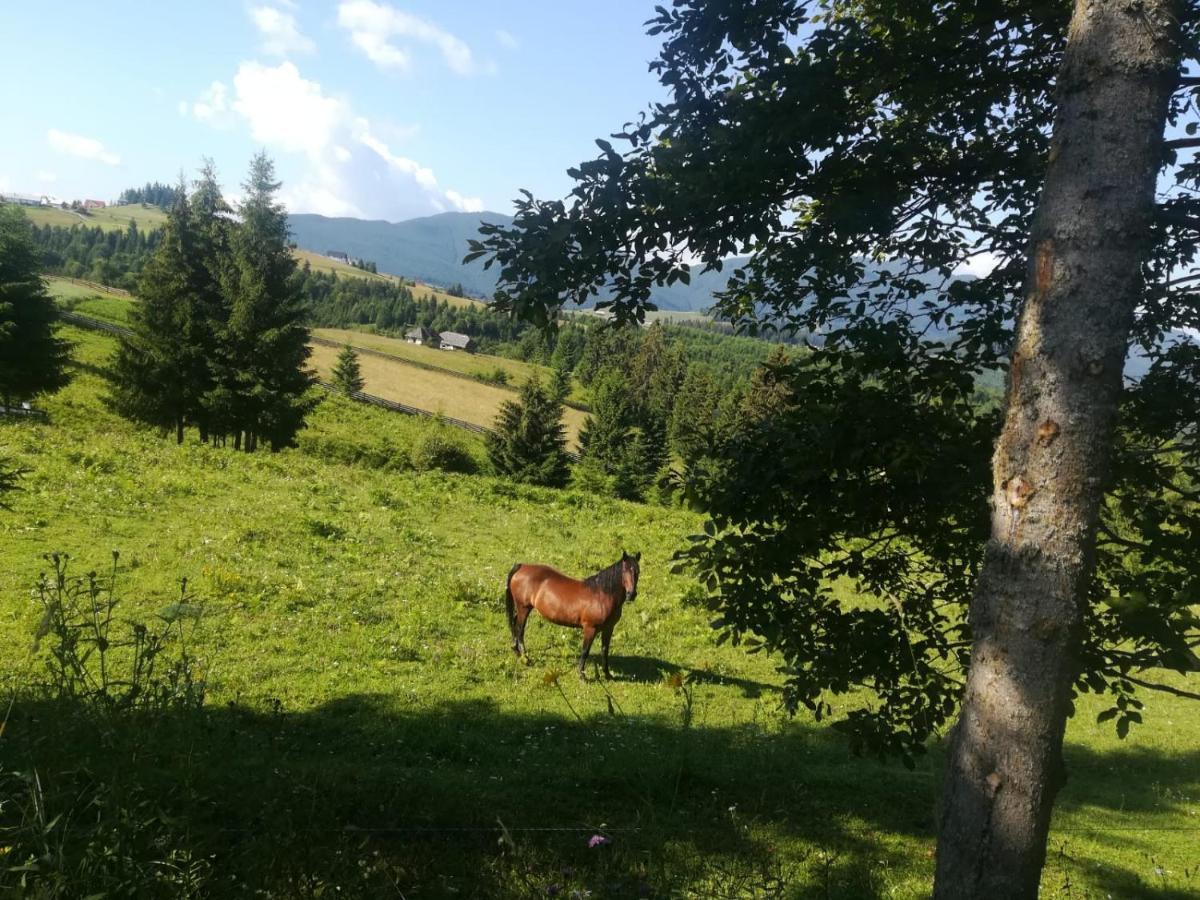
(862, 153)
(32, 359)
(528, 441)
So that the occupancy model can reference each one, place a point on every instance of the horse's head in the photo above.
(630, 569)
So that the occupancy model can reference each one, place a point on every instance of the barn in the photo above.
(452, 340)
(422, 335)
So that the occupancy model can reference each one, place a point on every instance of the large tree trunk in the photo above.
(1089, 240)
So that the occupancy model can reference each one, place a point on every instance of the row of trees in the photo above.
(153, 193)
(219, 341)
(115, 258)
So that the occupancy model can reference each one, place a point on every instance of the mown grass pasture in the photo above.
(437, 392)
(369, 733)
(479, 365)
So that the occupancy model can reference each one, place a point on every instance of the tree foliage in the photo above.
(528, 441)
(864, 155)
(219, 340)
(347, 374)
(33, 359)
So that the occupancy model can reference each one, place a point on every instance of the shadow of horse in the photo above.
(646, 669)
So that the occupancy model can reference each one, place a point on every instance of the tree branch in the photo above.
(1165, 688)
(1182, 143)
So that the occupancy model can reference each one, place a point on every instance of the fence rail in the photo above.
(24, 412)
(371, 399)
(95, 286)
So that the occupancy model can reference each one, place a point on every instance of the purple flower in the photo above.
(598, 840)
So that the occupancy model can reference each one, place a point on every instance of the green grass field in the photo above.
(368, 732)
(111, 218)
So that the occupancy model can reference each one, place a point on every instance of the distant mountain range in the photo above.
(431, 249)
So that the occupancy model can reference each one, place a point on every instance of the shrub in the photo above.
(438, 449)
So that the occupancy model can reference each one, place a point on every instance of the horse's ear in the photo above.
(637, 557)
(624, 556)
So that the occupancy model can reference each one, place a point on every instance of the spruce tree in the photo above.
(529, 441)
(161, 372)
(32, 359)
(347, 377)
(615, 449)
(262, 392)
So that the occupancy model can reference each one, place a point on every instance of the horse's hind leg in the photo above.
(589, 635)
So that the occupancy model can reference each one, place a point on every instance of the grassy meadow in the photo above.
(368, 732)
(111, 218)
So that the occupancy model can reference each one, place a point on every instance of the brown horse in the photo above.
(593, 604)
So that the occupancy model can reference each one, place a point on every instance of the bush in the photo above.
(438, 449)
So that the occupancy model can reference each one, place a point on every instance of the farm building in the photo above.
(94, 204)
(452, 340)
(422, 335)
(339, 255)
(26, 199)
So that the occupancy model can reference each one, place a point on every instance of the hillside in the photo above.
(432, 248)
(368, 729)
(111, 218)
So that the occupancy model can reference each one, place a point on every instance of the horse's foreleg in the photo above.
(605, 640)
(519, 642)
(589, 635)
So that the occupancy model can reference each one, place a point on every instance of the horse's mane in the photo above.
(608, 581)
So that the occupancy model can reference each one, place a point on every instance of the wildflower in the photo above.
(598, 840)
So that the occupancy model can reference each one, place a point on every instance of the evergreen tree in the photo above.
(161, 372)
(32, 359)
(262, 392)
(528, 442)
(694, 416)
(615, 449)
(560, 385)
(347, 377)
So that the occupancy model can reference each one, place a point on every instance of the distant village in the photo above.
(48, 200)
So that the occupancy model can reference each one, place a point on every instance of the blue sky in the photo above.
(372, 108)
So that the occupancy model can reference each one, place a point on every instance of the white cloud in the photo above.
(980, 266)
(212, 108)
(506, 39)
(348, 169)
(281, 35)
(47, 177)
(82, 147)
(374, 26)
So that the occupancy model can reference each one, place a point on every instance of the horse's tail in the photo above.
(509, 604)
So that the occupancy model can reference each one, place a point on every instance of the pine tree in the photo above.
(161, 373)
(32, 359)
(694, 416)
(263, 389)
(615, 449)
(347, 376)
(528, 441)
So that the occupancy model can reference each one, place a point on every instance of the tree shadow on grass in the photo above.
(463, 799)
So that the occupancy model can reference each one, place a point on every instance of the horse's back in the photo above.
(558, 597)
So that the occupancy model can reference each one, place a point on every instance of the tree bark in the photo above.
(1089, 241)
